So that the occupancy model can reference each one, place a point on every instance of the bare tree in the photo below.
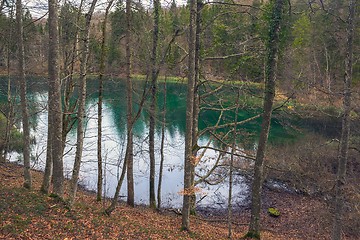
(81, 107)
(130, 144)
(10, 112)
(231, 168)
(345, 132)
(153, 103)
(269, 94)
(100, 101)
(162, 157)
(24, 108)
(55, 112)
(189, 161)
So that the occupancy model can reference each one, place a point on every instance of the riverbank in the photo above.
(31, 215)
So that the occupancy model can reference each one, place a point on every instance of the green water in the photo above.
(114, 136)
(115, 101)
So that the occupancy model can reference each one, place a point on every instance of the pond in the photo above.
(114, 140)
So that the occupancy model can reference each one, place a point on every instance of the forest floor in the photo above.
(28, 214)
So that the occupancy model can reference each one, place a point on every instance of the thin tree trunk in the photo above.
(9, 120)
(153, 103)
(189, 160)
(68, 121)
(100, 102)
(345, 132)
(55, 110)
(233, 147)
(24, 108)
(45, 187)
(269, 94)
(162, 157)
(81, 107)
(114, 201)
(199, 5)
(130, 143)
(10, 113)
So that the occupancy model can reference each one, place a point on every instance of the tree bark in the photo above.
(152, 197)
(23, 98)
(100, 102)
(129, 149)
(162, 157)
(269, 94)
(68, 81)
(81, 108)
(233, 148)
(345, 132)
(189, 160)
(55, 110)
(10, 113)
(196, 110)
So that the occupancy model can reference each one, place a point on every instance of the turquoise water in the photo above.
(114, 139)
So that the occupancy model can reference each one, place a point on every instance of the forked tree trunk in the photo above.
(345, 131)
(269, 94)
(23, 98)
(189, 160)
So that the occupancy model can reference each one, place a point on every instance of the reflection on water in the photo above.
(114, 140)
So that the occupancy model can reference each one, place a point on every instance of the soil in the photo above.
(28, 214)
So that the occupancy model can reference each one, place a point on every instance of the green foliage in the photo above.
(302, 32)
(16, 136)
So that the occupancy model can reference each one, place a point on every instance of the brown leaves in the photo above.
(190, 191)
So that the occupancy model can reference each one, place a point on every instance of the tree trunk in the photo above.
(114, 201)
(23, 99)
(233, 147)
(153, 103)
(45, 187)
(10, 101)
(269, 94)
(69, 83)
(130, 155)
(189, 160)
(81, 108)
(162, 157)
(345, 132)
(55, 110)
(100, 102)
(196, 110)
